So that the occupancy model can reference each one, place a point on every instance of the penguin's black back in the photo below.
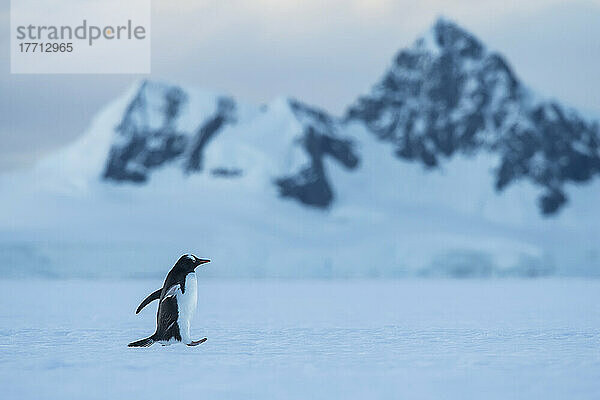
(166, 320)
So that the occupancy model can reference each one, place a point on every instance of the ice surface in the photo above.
(413, 339)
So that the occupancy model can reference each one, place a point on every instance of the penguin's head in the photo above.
(190, 262)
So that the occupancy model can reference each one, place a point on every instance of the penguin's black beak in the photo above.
(201, 261)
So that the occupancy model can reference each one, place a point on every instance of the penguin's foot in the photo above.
(197, 342)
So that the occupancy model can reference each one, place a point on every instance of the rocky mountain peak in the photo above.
(448, 95)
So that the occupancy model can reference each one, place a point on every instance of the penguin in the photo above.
(177, 304)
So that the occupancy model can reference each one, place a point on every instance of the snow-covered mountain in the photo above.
(155, 130)
(449, 166)
(448, 94)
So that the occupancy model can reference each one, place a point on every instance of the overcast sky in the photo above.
(323, 52)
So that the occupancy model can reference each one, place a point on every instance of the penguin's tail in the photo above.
(149, 341)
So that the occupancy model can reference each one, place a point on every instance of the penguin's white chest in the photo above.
(186, 306)
(186, 302)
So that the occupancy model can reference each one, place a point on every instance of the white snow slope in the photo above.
(390, 218)
(407, 339)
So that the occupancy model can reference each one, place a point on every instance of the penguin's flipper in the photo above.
(148, 300)
(173, 291)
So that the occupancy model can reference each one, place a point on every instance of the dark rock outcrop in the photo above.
(311, 185)
(224, 114)
(147, 137)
